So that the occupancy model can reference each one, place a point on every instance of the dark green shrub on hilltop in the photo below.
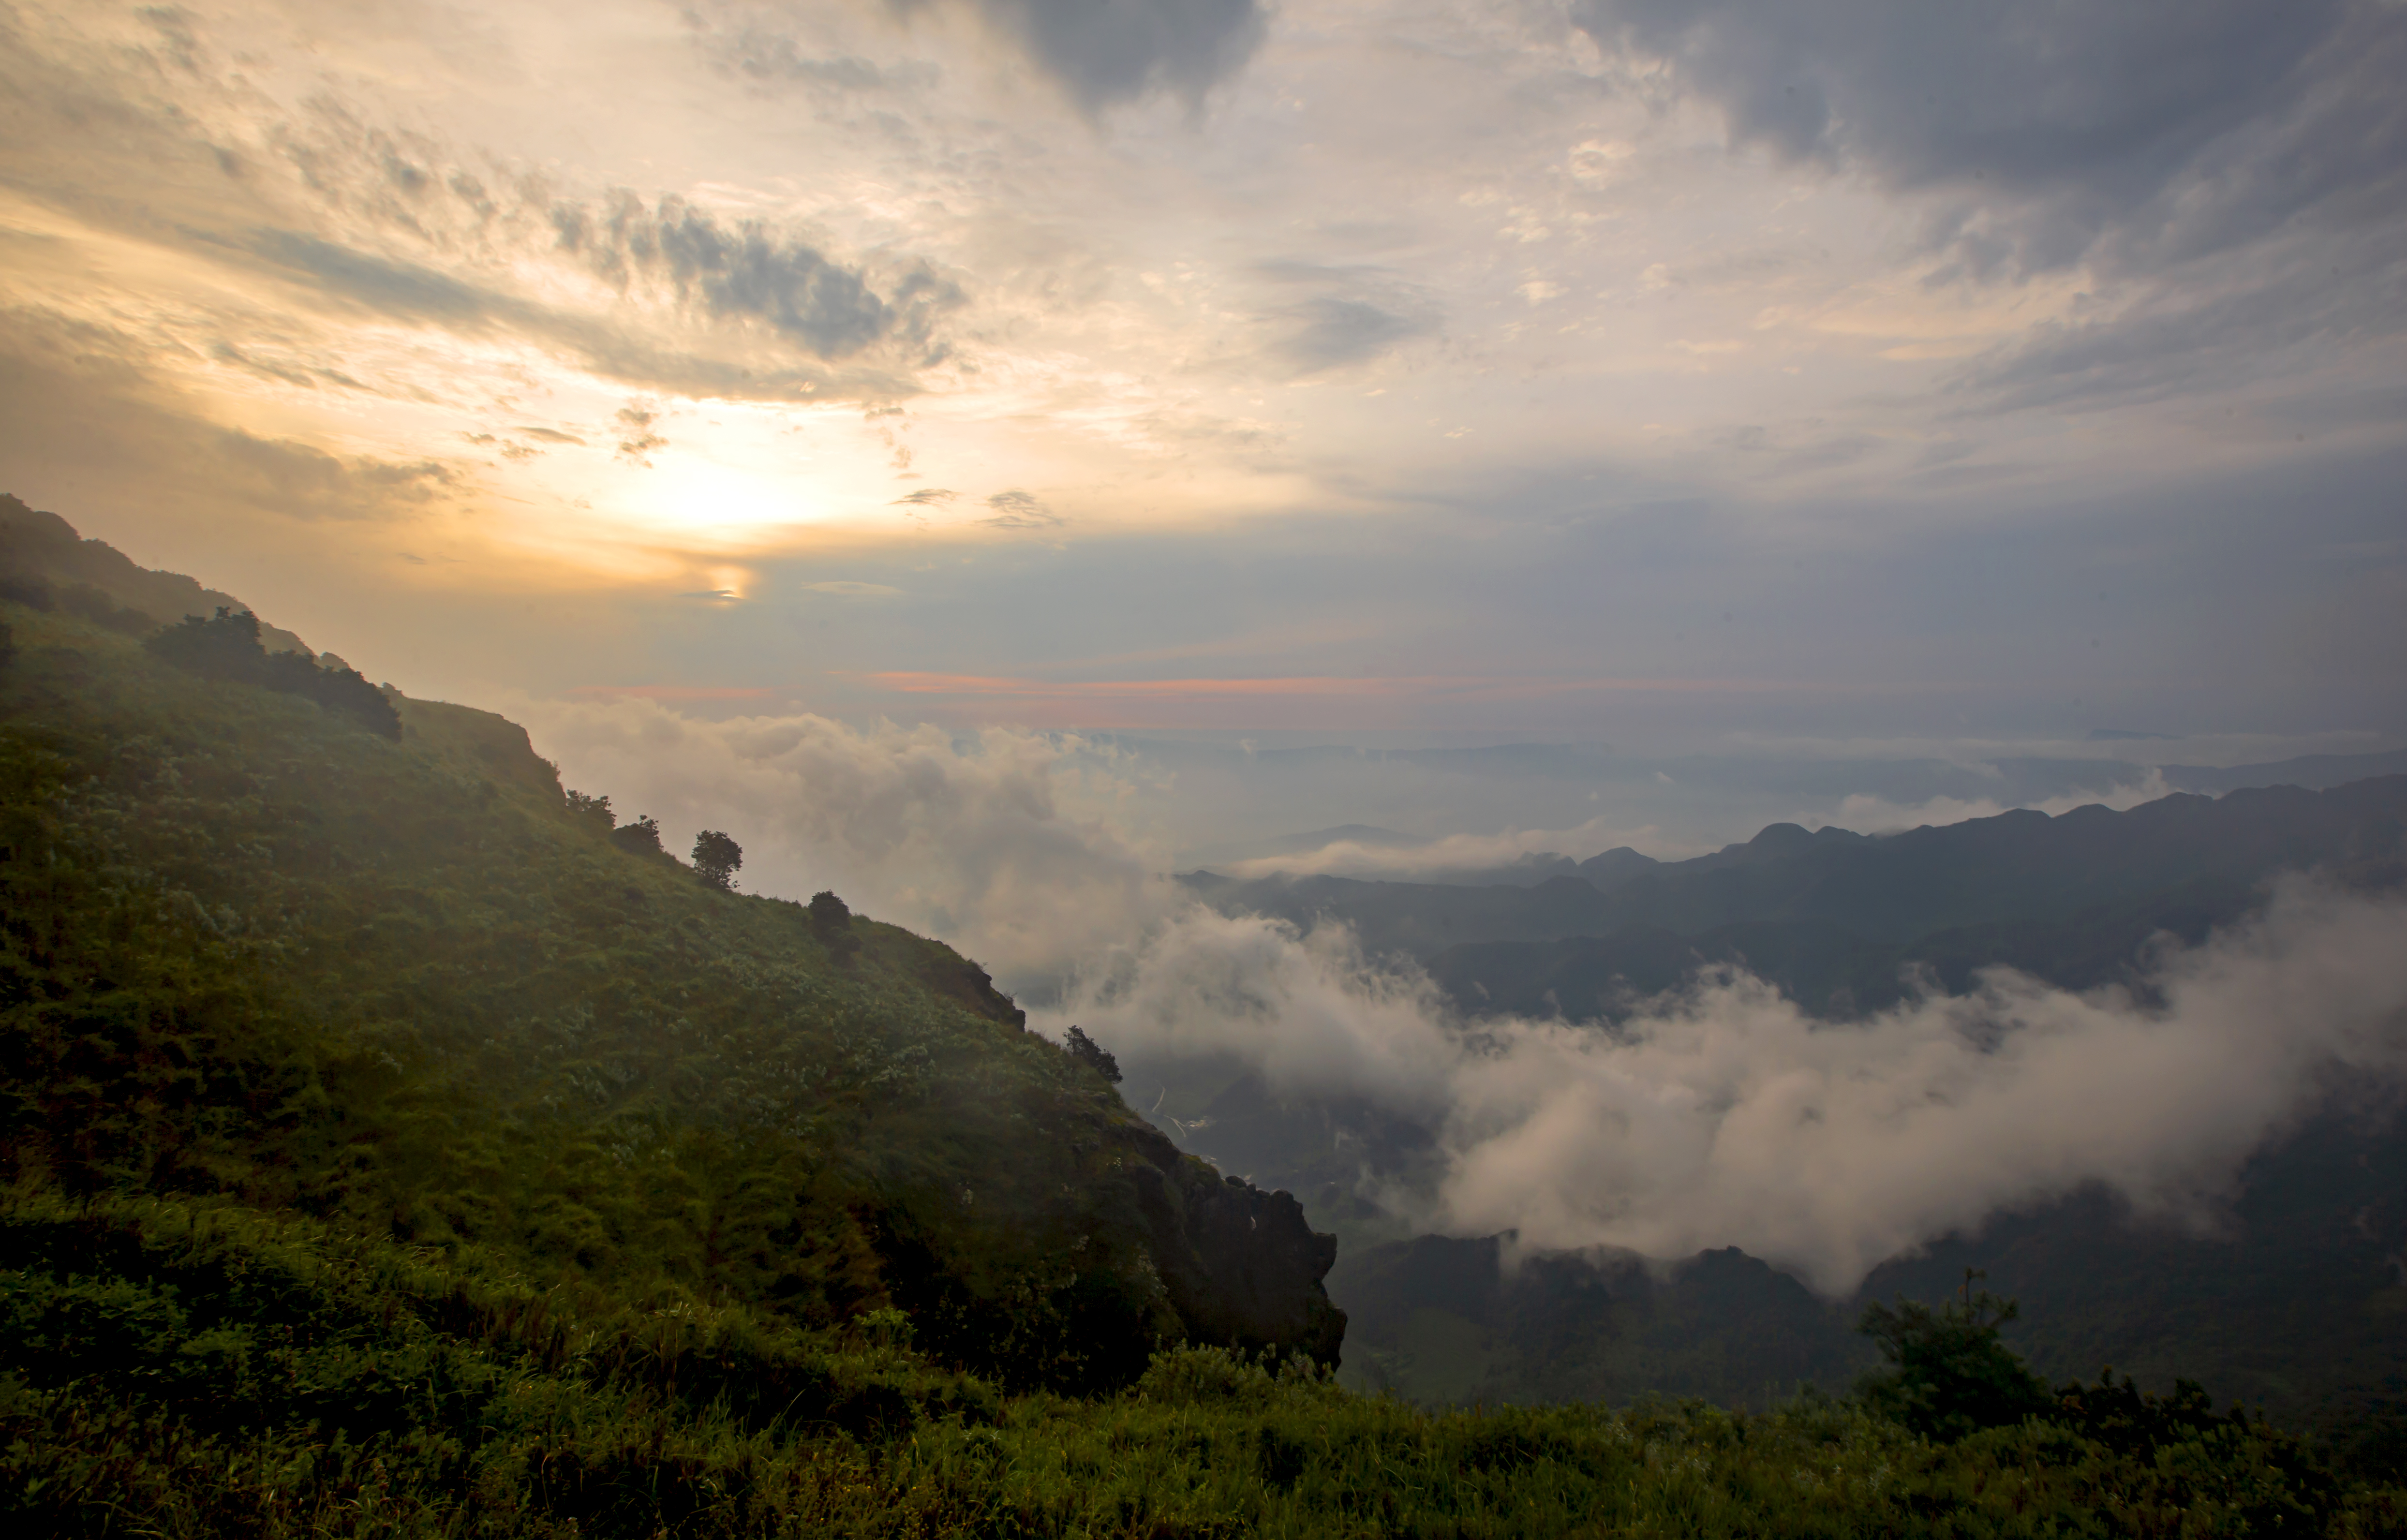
(717, 859)
(226, 646)
(1949, 1372)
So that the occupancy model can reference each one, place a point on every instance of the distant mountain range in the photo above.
(2017, 869)
(1552, 772)
(2302, 1303)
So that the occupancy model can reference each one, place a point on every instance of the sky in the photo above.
(1605, 371)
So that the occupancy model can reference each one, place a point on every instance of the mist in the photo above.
(1721, 1115)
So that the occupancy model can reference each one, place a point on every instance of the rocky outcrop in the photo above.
(1242, 1267)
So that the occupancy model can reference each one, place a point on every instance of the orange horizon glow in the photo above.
(1331, 685)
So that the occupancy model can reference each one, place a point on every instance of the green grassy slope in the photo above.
(255, 950)
(191, 1366)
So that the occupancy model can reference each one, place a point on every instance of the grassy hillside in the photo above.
(255, 950)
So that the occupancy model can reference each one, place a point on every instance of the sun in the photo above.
(693, 493)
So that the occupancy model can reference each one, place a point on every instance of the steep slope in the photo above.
(45, 564)
(255, 950)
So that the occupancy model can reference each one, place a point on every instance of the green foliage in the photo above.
(639, 836)
(1949, 1374)
(592, 813)
(1093, 1055)
(717, 859)
(182, 1366)
(832, 923)
(226, 646)
(245, 950)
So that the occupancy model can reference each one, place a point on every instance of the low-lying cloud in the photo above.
(1000, 843)
(1871, 815)
(1438, 858)
(1727, 1115)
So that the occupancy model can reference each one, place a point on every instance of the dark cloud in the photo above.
(1359, 314)
(926, 497)
(1018, 510)
(751, 271)
(747, 271)
(636, 424)
(549, 435)
(1105, 53)
(1328, 332)
(394, 288)
(1101, 53)
(2234, 173)
(2301, 310)
(2160, 129)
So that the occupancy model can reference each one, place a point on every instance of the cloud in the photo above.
(1726, 1116)
(926, 497)
(1102, 55)
(2299, 304)
(2232, 173)
(750, 270)
(1358, 314)
(320, 196)
(1869, 815)
(756, 50)
(998, 842)
(1019, 511)
(75, 399)
(391, 287)
(1434, 858)
(1328, 332)
(637, 439)
(846, 586)
(2193, 127)
(2232, 176)
(306, 483)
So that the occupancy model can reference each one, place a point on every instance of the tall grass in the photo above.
(188, 1367)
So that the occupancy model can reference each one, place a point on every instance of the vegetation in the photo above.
(1092, 1054)
(227, 647)
(717, 859)
(254, 952)
(1948, 1373)
(385, 1148)
(182, 1365)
